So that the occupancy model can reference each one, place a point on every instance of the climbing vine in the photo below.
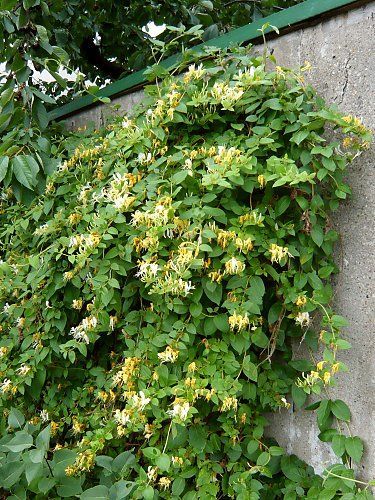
(152, 296)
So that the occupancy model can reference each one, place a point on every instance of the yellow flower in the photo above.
(77, 304)
(320, 365)
(301, 301)
(54, 428)
(3, 351)
(262, 181)
(335, 368)
(229, 403)
(216, 276)
(326, 377)
(78, 427)
(234, 266)
(177, 461)
(148, 431)
(278, 253)
(238, 321)
(164, 482)
(70, 470)
(169, 355)
(192, 367)
(190, 382)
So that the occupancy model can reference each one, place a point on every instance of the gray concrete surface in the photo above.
(341, 51)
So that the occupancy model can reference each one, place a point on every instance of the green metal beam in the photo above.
(285, 18)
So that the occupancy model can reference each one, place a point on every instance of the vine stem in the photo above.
(168, 433)
(346, 478)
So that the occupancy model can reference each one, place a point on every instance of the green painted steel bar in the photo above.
(282, 19)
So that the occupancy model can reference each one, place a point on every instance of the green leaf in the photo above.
(317, 235)
(61, 460)
(263, 458)
(273, 104)
(42, 440)
(282, 205)
(7, 4)
(100, 492)
(341, 410)
(339, 321)
(290, 467)
(25, 169)
(323, 413)
(274, 312)
(252, 447)
(148, 493)
(4, 162)
(197, 437)
(338, 444)
(299, 396)
(259, 338)
(33, 471)
(163, 462)
(46, 484)
(354, 448)
(178, 486)
(42, 33)
(10, 473)
(213, 291)
(122, 462)
(21, 441)
(15, 418)
(36, 456)
(250, 369)
(195, 309)
(300, 136)
(221, 323)
(41, 114)
(276, 451)
(69, 487)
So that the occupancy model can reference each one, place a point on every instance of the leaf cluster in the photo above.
(151, 297)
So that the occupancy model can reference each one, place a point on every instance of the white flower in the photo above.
(169, 355)
(144, 159)
(147, 270)
(122, 417)
(180, 410)
(152, 473)
(126, 122)
(20, 322)
(44, 416)
(234, 266)
(188, 287)
(303, 319)
(112, 322)
(5, 386)
(23, 369)
(79, 334)
(6, 308)
(140, 401)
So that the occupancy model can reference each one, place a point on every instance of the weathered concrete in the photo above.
(341, 51)
(98, 114)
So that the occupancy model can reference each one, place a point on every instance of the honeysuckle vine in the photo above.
(152, 296)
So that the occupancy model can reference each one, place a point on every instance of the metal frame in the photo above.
(285, 20)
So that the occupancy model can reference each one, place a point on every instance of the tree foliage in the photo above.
(151, 297)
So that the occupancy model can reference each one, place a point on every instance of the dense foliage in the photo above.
(95, 40)
(151, 297)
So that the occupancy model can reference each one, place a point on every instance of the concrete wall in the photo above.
(341, 51)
